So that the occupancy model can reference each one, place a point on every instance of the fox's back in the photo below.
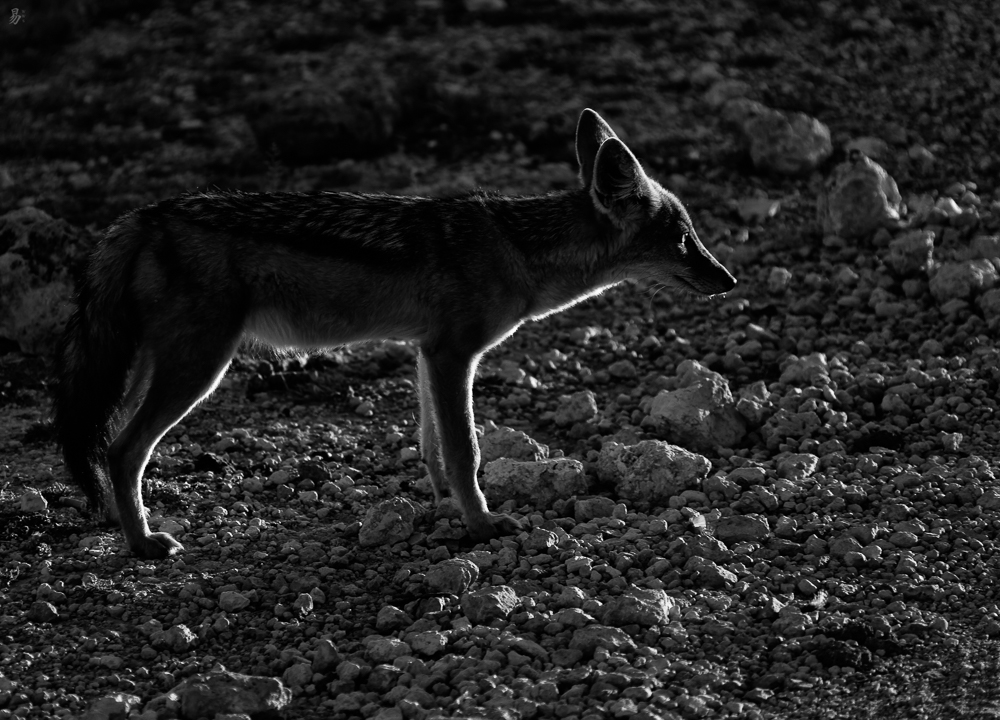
(370, 228)
(318, 269)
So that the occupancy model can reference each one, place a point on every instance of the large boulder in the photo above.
(778, 142)
(859, 198)
(651, 472)
(701, 414)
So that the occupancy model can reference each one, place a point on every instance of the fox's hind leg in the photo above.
(184, 371)
(140, 377)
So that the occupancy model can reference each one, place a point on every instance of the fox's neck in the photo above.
(569, 250)
(561, 229)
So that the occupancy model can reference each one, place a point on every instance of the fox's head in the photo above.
(661, 242)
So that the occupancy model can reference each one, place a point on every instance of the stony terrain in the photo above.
(778, 504)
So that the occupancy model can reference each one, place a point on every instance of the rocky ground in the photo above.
(779, 504)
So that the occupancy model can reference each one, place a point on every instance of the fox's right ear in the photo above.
(619, 182)
(591, 132)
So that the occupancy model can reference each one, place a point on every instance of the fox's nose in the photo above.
(726, 280)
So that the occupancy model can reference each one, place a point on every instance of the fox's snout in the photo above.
(702, 271)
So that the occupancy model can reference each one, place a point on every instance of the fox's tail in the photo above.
(93, 361)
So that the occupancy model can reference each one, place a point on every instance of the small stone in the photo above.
(588, 639)
(389, 522)
(383, 678)
(709, 574)
(792, 624)
(985, 246)
(707, 547)
(779, 142)
(326, 656)
(538, 484)
(875, 148)
(903, 539)
(490, 603)
(652, 471)
(110, 707)
(948, 207)
(754, 211)
(540, 540)
(911, 253)
(587, 509)
(578, 407)
(232, 602)
(778, 280)
(32, 501)
(742, 528)
(42, 612)
(807, 587)
(721, 91)
(390, 618)
(951, 441)
(81, 181)
(844, 545)
(797, 466)
(177, 639)
(639, 606)
(298, 675)
(962, 280)
(385, 649)
(623, 370)
(859, 198)
(510, 443)
(221, 692)
(428, 643)
(989, 303)
(451, 577)
(753, 402)
(855, 559)
(279, 477)
(722, 485)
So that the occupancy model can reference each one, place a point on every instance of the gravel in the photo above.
(832, 554)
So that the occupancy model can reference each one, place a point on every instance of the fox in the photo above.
(173, 289)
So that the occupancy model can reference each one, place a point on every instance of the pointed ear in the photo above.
(618, 178)
(591, 132)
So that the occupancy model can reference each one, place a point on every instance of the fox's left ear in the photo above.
(619, 180)
(591, 132)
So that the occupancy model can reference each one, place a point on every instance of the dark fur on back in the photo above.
(379, 228)
(334, 225)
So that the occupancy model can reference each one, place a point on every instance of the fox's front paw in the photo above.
(156, 546)
(494, 525)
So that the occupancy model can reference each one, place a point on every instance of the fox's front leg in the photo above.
(449, 445)
(430, 448)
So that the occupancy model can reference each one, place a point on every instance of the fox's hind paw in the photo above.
(156, 546)
(495, 526)
(106, 513)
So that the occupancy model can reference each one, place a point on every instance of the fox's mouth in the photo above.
(701, 289)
